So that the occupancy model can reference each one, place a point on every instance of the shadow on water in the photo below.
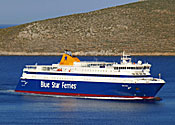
(69, 102)
(60, 109)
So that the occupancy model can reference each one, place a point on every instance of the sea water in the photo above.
(2, 26)
(19, 108)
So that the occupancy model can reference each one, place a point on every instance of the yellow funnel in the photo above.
(68, 60)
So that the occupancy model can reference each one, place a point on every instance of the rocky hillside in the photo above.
(145, 27)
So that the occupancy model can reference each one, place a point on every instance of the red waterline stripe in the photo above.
(78, 94)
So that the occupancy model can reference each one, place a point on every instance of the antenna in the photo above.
(159, 76)
(95, 59)
(68, 52)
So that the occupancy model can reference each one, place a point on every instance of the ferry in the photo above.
(124, 80)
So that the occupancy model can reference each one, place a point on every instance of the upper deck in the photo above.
(125, 67)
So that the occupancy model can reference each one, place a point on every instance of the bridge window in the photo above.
(139, 67)
(146, 67)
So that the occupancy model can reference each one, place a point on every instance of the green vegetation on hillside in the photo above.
(142, 27)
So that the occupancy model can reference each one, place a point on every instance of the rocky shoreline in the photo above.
(82, 54)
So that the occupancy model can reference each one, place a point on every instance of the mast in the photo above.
(125, 58)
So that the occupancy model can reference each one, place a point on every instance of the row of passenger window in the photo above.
(117, 68)
(89, 65)
(48, 68)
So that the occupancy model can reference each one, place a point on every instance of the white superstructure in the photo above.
(124, 72)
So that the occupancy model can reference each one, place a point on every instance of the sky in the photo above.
(25, 11)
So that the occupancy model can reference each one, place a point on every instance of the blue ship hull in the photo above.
(89, 89)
